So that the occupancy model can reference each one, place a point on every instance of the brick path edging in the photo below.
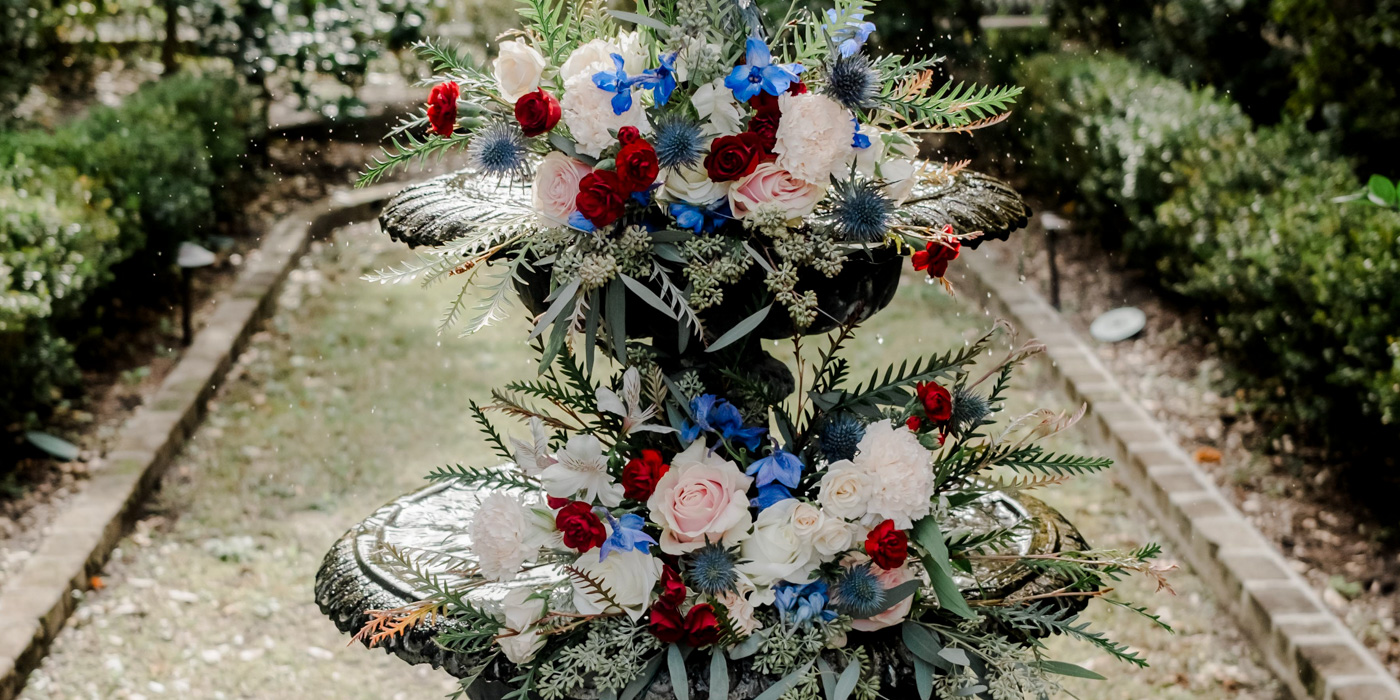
(45, 591)
(1305, 645)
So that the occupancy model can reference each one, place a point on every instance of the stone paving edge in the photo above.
(1303, 642)
(35, 604)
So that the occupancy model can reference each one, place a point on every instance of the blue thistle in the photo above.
(679, 141)
(840, 437)
(710, 570)
(858, 593)
(498, 149)
(969, 409)
(852, 81)
(860, 211)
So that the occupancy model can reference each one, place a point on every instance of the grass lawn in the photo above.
(345, 401)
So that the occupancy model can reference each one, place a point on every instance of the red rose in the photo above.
(666, 623)
(701, 626)
(732, 157)
(537, 112)
(601, 197)
(672, 590)
(628, 135)
(914, 423)
(637, 166)
(887, 545)
(765, 124)
(935, 256)
(938, 403)
(442, 107)
(640, 475)
(582, 529)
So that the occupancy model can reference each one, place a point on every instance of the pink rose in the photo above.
(769, 185)
(556, 187)
(889, 578)
(701, 497)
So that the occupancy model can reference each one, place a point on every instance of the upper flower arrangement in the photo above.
(670, 151)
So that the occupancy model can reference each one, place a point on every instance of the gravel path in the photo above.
(344, 402)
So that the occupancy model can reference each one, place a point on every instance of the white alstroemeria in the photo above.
(715, 102)
(521, 609)
(629, 405)
(582, 468)
(533, 457)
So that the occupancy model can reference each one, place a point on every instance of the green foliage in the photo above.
(1305, 292)
(27, 47)
(118, 191)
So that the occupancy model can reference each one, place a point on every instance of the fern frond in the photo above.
(1048, 620)
(1034, 458)
(593, 585)
(493, 438)
(492, 477)
(385, 625)
(950, 106)
(407, 149)
(512, 405)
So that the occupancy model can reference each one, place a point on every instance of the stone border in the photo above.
(1305, 645)
(45, 591)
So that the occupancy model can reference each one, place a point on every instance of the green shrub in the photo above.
(118, 190)
(1304, 292)
(26, 48)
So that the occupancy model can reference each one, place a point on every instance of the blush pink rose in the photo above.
(556, 187)
(702, 497)
(769, 185)
(889, 578)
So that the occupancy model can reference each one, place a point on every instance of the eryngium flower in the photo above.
(860, 211)
(710, 570)
(498, 149)
(679, 142)
(969, 408)
(840, 437)
(851, 81)
(858, 593)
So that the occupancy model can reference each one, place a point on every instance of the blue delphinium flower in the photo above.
(770, 495)
(579, 221)
(859, 593)
(711, 570)
(781, 467)
(661, 79)
(851, 36)
(626, 534)
(859, 140)
(618, 82)
(679, 141)
(700, 219)
(715, 415)
(760, 74)
(800, 604)
(498, 149)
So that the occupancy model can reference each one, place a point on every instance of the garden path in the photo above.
(345, 401)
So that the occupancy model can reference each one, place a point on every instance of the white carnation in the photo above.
(587, 111)
(900, 470)
(588, 59)
(814, 136)
(503, 536)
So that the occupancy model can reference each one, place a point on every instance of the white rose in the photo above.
(521, 648)
(521, 609)
(901, 175)
(691, 185)
(715, 102)
(588, 112)
(774, 551)
(814, 136)
(629, 577)
(844, 490)
(503, 536)
(588, 59)
(834, 537)
(900, 470)
(518, 68)
(866, 160)
(807, 520)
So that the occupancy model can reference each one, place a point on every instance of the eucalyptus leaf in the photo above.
(956, 656)
(847, 683)
(668, 251)
(828, 678)
(896, 595)
(617, 319)
(922, 644)
(646, 295)
(785, 683)
(54, 446)
(935, 557)
(750, 645)
(590, 331)
(671, 235)
(762, 261)
(569, 149)
(719, 675)
(643, 679)
(1064, 668)
(562, 298)
(923, 678)
(675, 663)
(740, 329)
(641, 19)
